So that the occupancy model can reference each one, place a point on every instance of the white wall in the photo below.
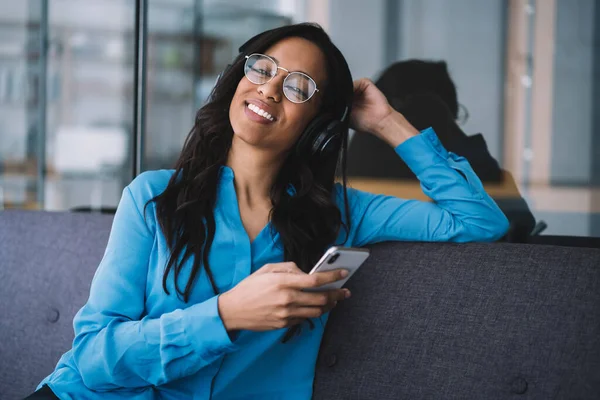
(357, 28)
(571, 154)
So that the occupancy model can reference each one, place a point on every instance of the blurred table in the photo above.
(412, 189)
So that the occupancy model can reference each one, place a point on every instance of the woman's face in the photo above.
(288, 119)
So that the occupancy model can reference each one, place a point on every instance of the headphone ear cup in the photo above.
(320, 135)
(329, 140)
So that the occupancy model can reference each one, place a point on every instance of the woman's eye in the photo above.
(261, 71)
(297, 92)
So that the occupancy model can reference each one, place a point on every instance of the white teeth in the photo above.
(260, 112)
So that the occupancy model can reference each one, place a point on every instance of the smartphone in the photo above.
(347, 258)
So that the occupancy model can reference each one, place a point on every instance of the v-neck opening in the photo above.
(240, 221)
(228, 174)
(267, 227)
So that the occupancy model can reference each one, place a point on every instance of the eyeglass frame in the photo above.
(288, 74)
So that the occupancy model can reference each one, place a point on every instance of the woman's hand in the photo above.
(372, 113)
(272, 298)
(369, 107)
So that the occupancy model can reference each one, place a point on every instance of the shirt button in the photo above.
(53, 315)
(331, 360)
(519, 386)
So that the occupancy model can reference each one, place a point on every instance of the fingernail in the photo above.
(348, 294)
(344, 273)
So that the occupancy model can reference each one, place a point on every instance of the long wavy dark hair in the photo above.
(308, 221)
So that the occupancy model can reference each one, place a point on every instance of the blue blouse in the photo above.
(133, 341)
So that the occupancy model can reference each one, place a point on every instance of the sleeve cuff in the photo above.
(205, 330)
(422, 151)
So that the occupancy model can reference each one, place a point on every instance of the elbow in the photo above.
(498, 228)
(488, 227)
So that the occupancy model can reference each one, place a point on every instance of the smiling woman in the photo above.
(206, 266)
(268, 94)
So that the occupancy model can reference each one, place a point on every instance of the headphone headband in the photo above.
(345, 114)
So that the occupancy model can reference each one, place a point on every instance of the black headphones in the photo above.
(323, 136)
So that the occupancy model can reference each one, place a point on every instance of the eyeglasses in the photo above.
(297, 86)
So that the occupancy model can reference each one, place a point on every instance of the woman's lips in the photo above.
(257, 111)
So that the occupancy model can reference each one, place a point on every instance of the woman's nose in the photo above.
(274, 88)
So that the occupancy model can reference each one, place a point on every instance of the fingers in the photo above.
(323, 278)
(308, 312)
(287, 267)
(312, 305)
(345, 294)
(314, 312)
(319, 299)
(305, 281)
(361, 84)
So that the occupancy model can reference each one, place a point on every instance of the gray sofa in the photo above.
(426, 321)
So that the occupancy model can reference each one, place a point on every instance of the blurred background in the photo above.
(94, 92)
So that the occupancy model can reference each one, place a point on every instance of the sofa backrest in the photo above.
(47, 261)
(476, 321)
(436, 321)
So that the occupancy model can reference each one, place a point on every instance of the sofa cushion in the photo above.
(476, 321)
(47, 261)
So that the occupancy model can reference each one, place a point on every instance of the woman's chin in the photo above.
(251, 137)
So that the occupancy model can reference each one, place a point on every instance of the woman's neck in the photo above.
(255, 172)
